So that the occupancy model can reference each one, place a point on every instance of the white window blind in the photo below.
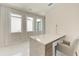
(29, 24)
(16, 21)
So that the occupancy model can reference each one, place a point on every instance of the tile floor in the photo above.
(20, 49)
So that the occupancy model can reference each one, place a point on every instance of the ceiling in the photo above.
(38, 8)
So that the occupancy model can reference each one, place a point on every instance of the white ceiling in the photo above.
(38, 8)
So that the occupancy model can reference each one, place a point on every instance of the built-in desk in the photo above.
(44, 45)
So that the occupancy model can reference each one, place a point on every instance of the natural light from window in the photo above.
(16, 21)
(38, 25)
(29, 24)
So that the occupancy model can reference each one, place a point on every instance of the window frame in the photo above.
(32, 24)
(40, 30)
(15, 17)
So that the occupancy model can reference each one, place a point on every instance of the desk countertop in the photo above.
(46, 38)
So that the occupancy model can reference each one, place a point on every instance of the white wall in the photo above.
(6, 37)
(66, 16)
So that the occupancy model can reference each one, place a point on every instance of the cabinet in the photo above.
(48, 50)
(43, 45)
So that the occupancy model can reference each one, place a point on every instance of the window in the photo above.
(38, 25)
(16, 21)
(29, 24)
